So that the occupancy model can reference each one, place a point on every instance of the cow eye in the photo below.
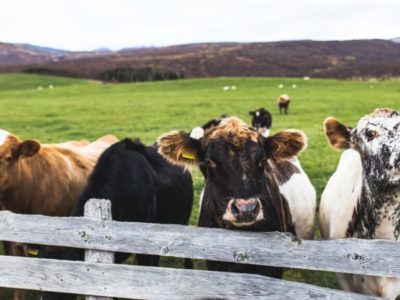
(8, 158)
(371, 134)
(210, 163)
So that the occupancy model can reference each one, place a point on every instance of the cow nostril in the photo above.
(235, 210)
(245, 207)
(249, 207)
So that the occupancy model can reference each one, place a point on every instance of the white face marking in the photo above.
(3, 136)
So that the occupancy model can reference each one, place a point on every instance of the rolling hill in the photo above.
(335, 59)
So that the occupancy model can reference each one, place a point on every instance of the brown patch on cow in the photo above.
(179, 148)
(283, 170)
(285, 144)
(232, 131)
(338, 134)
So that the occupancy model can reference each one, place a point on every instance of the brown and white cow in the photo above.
(242, 170)
(290, 177)
(362, 198)
(44, 179)
(283, 103)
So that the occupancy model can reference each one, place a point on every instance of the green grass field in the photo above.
(77, 109)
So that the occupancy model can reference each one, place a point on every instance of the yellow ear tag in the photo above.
(188, 155)
(33, 252)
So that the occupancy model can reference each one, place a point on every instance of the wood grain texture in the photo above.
(99, 209)
(125, 281)
(369, 257)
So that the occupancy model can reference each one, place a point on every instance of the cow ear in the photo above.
(251, 113)
(180, 149)
(28, 148)
(338, 134)
(285, 144)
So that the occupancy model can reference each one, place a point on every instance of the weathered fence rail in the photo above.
(102, 278)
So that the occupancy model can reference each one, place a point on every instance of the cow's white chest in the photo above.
(301, 197)
(265, 132)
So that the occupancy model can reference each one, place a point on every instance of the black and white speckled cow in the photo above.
(362, 198)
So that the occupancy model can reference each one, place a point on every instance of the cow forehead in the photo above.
(3, 136)
(385, 119)
(232, 131)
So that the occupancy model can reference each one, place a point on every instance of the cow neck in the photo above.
(377, 214)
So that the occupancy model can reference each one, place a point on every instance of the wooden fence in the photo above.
(98, 276)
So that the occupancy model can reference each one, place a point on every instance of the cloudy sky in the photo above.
(116, 24)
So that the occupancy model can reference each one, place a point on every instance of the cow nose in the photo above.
(245, 209)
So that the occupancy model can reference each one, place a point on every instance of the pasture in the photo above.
(76, 109)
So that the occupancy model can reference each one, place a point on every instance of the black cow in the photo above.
(262, 120)
(142, 187)
(241, 190)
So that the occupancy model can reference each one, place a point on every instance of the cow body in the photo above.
(241, 190)
(362, 198)
(56, 173)
(261, 120)
(283, 103)
(142, 187)
(44, 179)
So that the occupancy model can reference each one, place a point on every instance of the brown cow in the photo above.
(44, 179)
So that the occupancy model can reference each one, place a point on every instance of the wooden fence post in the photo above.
(98, 209)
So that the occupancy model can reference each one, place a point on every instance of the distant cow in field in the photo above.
(362, 198)
(283, 103)
(243, 171)
(142, 187)
(262, 120)
(44, 179)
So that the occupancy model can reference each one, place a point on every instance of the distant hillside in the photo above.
(20, 54)
(26, 54)
(396, 40)
(338, 59)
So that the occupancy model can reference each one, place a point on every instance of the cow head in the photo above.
(377, 138)
(234, 158)
(13, 150)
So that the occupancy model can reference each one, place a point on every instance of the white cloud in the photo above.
(89, 24)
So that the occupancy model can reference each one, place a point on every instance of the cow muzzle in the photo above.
(243, 212)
